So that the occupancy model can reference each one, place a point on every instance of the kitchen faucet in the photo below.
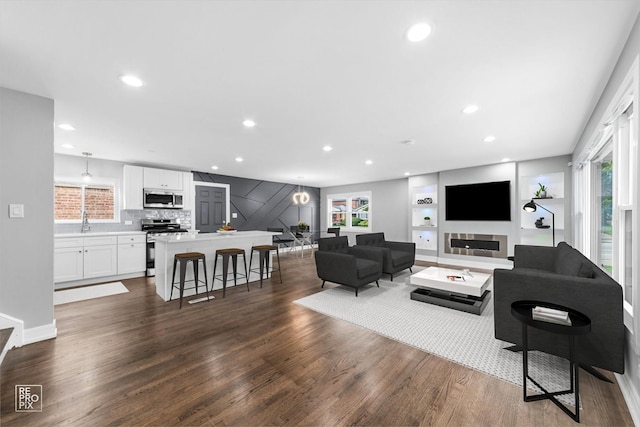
(85, 223)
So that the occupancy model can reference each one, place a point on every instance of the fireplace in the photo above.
(485, 245)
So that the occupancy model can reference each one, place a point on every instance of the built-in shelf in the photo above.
(424, 203)
(554, 202)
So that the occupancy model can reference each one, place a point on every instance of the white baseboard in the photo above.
(16, 339)
(631, 397)
(40, 333)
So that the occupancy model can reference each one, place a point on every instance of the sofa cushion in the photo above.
(401, 258)
(366, 268)
(586, 271)
(568, 260)
(334, 244)
(371, 239)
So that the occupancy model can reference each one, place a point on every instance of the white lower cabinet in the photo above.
(100, 261)
(81, 258)
(132, 255)
(68, 264)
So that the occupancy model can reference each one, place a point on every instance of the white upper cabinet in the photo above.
(132, 187)
(162, 179)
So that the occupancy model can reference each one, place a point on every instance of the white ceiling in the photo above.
(312, 73)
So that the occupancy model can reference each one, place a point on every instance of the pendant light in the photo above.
(86, 176)
(300, 197)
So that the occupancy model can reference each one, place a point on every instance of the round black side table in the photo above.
(580, 325)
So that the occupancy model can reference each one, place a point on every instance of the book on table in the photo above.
(551, 315)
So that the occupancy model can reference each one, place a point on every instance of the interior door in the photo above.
(211, 206)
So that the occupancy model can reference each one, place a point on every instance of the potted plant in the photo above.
(303, 226)
(542, 191)
(427, 220)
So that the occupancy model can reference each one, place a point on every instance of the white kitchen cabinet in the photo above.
(133, 184)
(132, 255)
(68, 264)
(162, 179)
(100, 256)
(84, 258)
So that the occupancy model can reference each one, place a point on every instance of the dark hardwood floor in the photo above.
(255, 358)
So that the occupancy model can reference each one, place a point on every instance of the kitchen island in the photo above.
(168, 246)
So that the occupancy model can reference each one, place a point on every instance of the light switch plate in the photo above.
(16, 211)
(234, 215)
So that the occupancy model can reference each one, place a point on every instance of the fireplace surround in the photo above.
(472, 244)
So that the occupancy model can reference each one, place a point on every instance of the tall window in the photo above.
(98, 200)
(350, 211)
(603, 207)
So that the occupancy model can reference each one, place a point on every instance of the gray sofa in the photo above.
(396, 256)
(355, 267)
(562, 275)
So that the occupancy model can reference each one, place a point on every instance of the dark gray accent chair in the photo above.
(562, 275)
(349, 266)
(396, 256)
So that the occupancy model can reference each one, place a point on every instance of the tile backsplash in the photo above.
(135, 216)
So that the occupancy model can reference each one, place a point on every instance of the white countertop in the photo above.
(100, 233)
(191, 237)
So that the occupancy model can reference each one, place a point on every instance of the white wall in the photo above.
(389, 207)
(26, 244)
(630, 381)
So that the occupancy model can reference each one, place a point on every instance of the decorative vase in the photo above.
(427, 222)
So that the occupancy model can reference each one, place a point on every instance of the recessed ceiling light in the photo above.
(368, 162)
(300, 177)
(409, 141)
(68, 146)
(214, 167)
(66, 126)
(249, 123)
(470, 109)
(239, 159)
(418, 32)
(131, 80)
(506, 159)
(407, 173)
(489, 138)
(327, 148)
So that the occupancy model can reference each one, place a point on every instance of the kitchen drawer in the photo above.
(68, 242)
(133, 238)
(100, 240)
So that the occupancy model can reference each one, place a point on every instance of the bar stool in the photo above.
(195, 258)
(264, 252)
(226, 254)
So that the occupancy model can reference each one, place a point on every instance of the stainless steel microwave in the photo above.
(163, 199)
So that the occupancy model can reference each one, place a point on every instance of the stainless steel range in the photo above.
(155, 228)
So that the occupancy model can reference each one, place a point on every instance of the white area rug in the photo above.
(464, 338)
(88, 292)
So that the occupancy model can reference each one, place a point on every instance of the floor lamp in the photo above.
(532, 206)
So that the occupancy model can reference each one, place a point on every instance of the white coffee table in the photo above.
(467, 292)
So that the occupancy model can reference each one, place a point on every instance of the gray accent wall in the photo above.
(261, 204)
(26, 177)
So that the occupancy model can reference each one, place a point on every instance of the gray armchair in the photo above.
(349, 266)
(396, 256)
(562, 275)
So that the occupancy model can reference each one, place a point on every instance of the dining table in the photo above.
(301, 238)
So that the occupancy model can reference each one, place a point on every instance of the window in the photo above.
(606, 208)
(603, 208)
(350, 211)
(71, 199)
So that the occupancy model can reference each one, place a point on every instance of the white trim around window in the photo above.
(342, 213)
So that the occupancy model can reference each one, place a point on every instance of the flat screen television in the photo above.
(485, 201)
